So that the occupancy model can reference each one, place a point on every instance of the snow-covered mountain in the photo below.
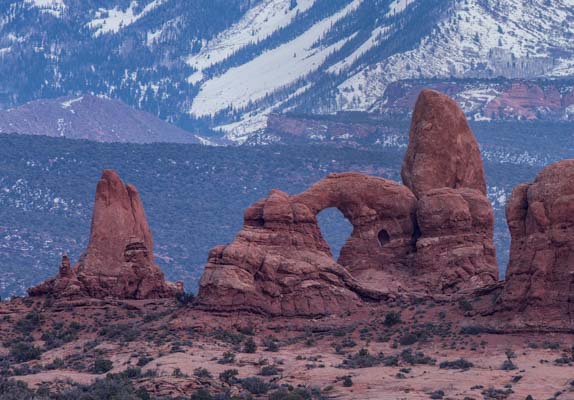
(230, 63)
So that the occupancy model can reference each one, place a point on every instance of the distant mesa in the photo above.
(119, 261)
(93, 118)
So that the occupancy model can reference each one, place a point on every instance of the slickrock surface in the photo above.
(539, 287)
(119, 260)
(442, 150)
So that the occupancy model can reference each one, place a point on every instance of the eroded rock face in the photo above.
(455, 249)
(279, 264)
(442, 150)
(433, 236)
(118, 261)
(539, 288)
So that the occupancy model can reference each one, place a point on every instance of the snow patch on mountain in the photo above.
(398, 6)
(68, 103)
(257, 24)
(112, 20)
(270, 71)
(53, 7)
(481, 38)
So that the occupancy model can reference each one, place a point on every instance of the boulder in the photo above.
(118, 262)
(442, 150)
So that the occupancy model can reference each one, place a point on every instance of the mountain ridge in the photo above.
(228, 64)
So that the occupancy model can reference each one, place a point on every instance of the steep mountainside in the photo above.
(92, 118)
(230, 63)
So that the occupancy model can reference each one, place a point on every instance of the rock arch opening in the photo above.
(383, 237)
(335, 229)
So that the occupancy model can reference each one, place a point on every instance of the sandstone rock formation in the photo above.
(443, 168)
(118, 262)
(279, 264)
(442, 150)
(539, 288)
(434, 240)
(455, 249)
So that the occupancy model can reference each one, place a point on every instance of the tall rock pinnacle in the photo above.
(119, 261)
(442, 152)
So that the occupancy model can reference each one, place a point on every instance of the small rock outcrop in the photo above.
(539, 287)
(442, 150)
(118, 262)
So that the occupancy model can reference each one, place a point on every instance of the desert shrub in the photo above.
(269, 370)
(414, 358)
(102, 365)
(184, 299)
(16, 390)
(143, 361)
(496, 394)
(111, 387)
(472, 330)
(229, 376)
(201, 394)
(363, 359)
(56, 364)
(437, 395)
(59, 336)
(271, 344)
(249, 346)
(255, 385)
(551, 345)
(348, 342)
(508, 365)
(248, 329)
(392, 318)
(461, 363)
(202, 373)
(24, 351)
(347, 381)
(227, 358)
(563, 361)
(295, 394)
(29, 323)
(465, 305)
(228, 336)
(120, 332)
(132, 373)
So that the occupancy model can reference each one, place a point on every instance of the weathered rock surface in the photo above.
(442, 150)
(433, 236)
(280, 264)
(118, 261)
(455, 249)
(539, 288)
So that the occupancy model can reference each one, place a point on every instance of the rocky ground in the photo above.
(167, 349)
